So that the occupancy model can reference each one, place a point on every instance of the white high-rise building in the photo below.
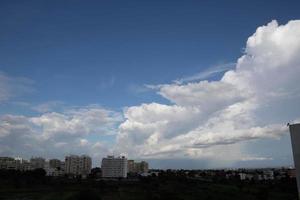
(114, 167)
(295, 138)
(78, 165)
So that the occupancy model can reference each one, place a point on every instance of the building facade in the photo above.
(14, 164)
(9, 163)
(137, 167)
(295, 139)
(25, 166)
(54, 163)
(78, 165)
(37, 162)
(142, 167)
(114, 167)
(130, 166)
(55, 167)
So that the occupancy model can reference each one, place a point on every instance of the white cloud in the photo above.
(83, 142)
(204, 94)
(207, 116)
(80, 121)
(207, 73)
(57, 134)
(249, 158)
(205, 119)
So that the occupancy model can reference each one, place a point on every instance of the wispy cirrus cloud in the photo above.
(13, 86)
(254, 158)
(211, 71)
(208, 73)
(107, 83)
(47, 106)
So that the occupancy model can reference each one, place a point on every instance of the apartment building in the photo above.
(114, 167)
(78, 165)
(137, 167)
(37, 162)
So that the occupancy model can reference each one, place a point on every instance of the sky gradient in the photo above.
(182, 84)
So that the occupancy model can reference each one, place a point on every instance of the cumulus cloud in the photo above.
(206, 114)
(217, 93)
(204, 119)
(80, 121)
(57, 134)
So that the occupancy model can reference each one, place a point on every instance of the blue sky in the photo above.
(71, 55)
(101, 49)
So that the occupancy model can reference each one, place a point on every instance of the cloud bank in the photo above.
(55, 134)
(208, 120)
(204, 117)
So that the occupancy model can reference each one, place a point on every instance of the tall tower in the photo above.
(295, 138)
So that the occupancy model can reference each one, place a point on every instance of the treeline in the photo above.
(178, 185)
(17, 178)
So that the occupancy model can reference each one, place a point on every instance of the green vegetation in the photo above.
(167, 186)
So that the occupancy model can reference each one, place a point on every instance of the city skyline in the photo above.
(76, 166)
(164, 82)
